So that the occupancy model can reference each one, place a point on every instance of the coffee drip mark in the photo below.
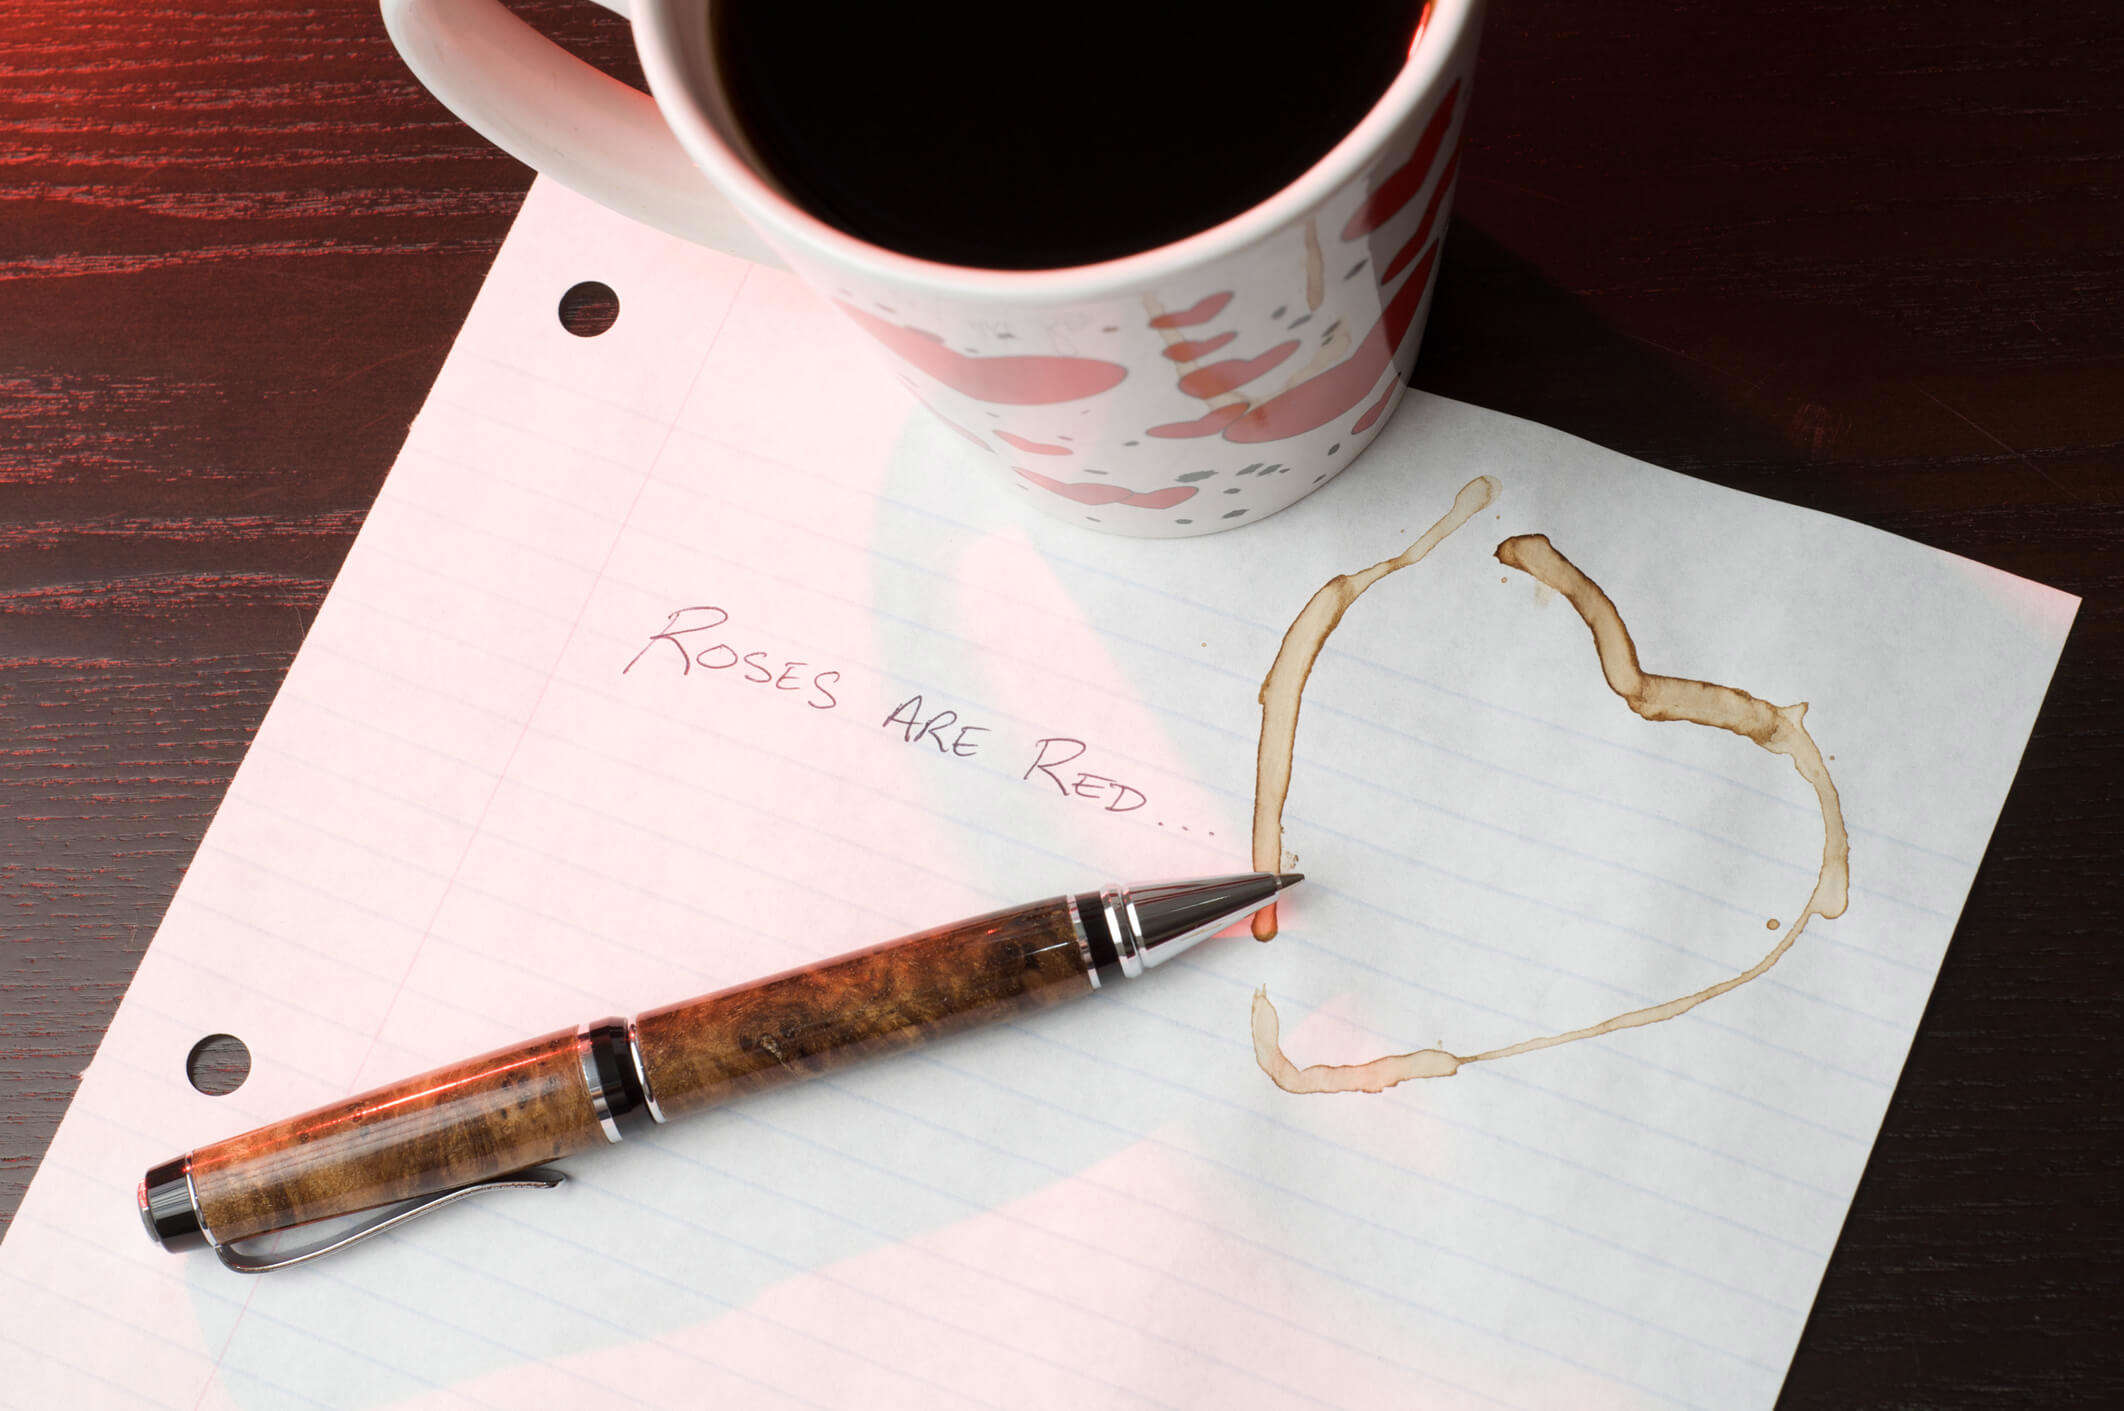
(1012, 380)
(1315, 267)
(1217, 383)
(1334, 380)
(1332, 351)
(1334, 385)
(1283, 688)
(1327, 395)
(1778, 729)
(1225, 405)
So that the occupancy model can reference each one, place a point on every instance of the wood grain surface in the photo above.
(488, 1116)
(1868, 259)
(856, 1007)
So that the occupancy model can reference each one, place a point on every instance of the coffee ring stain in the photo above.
(1284, 687)
(1778, 729)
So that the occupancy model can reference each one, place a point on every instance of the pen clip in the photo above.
(531, 1178)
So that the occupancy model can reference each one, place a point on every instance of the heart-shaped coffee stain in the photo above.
(1778, 729)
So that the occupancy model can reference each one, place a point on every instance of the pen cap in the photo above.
(470, 1122)
(167, 1207)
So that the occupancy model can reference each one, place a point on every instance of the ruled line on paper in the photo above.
(1105, 1060)
(1124, 1001)
(1088, 567)
(1268, 631)
(1397, 1170)
(1304, 998)
(1806, 1055)
(1647, 1218)
(499, 1213)
(1830, 936)
(1636, 933)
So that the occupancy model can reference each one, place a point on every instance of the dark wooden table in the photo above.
(1864, 258)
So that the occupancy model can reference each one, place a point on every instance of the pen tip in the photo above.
(1286, 880)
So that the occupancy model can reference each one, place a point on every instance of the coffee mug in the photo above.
(1198, 386)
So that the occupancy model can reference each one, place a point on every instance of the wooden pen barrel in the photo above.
(860, 1005)
(516, 1107)
(472, 1121)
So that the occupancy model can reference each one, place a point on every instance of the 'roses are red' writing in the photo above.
(703, 639)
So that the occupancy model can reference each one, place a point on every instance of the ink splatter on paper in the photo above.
(1778, 729)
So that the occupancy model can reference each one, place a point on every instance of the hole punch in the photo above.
(218, 1064)
(589, 308)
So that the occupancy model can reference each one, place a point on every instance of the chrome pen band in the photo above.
(1084, 945)
(191, 1192)
(641, 1073)
(1121, 923)
(1112, 946)
(613, 1076)
(1124, 931)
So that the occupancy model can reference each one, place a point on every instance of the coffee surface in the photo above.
(1035, 137)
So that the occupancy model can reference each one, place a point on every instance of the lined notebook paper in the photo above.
(496, 797)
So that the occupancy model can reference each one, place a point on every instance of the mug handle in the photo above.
(562, 117)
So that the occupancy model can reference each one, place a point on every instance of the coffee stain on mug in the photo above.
(1322, 398)
(1778, 729)
(1334, 347)
(1224, 405)
(1315, 267)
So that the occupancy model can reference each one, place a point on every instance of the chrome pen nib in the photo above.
(1130, 929)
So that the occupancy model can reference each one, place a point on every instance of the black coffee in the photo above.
(1045, 133)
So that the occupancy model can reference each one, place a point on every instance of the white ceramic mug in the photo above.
(1198, 386)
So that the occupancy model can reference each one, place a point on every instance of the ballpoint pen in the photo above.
(487, 1123)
